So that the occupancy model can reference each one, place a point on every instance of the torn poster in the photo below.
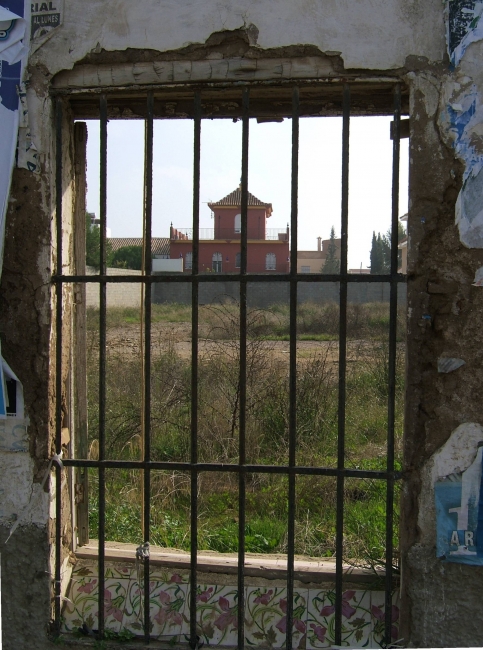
(13, 58)
(464, 25)
(45, 17)
(459, 512)
(463, 120)
(12, 33)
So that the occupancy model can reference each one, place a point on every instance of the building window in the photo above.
(217, 262)
(238, 224)
(208, 442)
(188, 261)
(270, 262)
(305, 269)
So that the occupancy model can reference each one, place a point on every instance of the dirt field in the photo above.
(126, 341)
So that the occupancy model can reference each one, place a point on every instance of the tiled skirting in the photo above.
(265, 602)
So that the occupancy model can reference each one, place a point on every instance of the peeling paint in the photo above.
(462, 122)
(478, 282)
(462, 117)
(449, 364)
(27, 503)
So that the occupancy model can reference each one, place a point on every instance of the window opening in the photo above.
(343, 477)
(270, 262)
(237, 223)
(188, 261)
(217, 261)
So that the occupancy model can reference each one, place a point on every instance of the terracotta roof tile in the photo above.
(234, 199)
(159, 245)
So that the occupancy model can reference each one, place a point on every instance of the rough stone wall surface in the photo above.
(444, 310)
(25, 330)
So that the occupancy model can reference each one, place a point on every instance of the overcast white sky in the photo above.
(269, 175)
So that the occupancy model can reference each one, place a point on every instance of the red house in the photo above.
(219, 250)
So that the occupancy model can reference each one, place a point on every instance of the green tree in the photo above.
(128, 257)
(331, 265)
(381, 250)
(376, 254)
(93, 245)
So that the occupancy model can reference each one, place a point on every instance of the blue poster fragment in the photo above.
(13, 54)
(459, 514)
(13, 57)
(464, 25)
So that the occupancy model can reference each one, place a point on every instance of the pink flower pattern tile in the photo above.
(83, 606)
(216, 614)
(167, 601)
(363, 612)
(266, 617)
(356, 619)
(378, 613)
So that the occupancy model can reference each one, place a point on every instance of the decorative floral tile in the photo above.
(83, 605)
(378, 614)
(216, 614)
(162, 574)
(167, 604)
(266, 617)
(120, 571)
(356, 619)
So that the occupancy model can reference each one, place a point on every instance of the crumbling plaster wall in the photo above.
(405, 37)
(371, 34)
(27, 330)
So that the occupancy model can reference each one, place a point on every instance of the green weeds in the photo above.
(267, 426)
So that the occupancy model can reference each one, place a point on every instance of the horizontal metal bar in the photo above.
(228, 277)
(221, 467)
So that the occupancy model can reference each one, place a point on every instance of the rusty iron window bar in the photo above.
(195, 278)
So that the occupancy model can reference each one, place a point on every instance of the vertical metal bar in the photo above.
(292, 365)
(58, 354)
(392, 362)
(243, 370)
(102, 356)
(342, 364)
(148, 209)
(194, 366)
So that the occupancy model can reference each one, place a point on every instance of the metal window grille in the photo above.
(194, 467)
(188, 261)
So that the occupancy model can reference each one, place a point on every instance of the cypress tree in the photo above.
(331, 265)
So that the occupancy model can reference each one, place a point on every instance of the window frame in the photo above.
(188, 261)
(389, 476)
(270, 262)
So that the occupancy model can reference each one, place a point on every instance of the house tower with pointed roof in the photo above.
(219, 252)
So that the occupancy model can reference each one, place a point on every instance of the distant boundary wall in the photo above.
(118, 295)
(262, 295)
(259, 294)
